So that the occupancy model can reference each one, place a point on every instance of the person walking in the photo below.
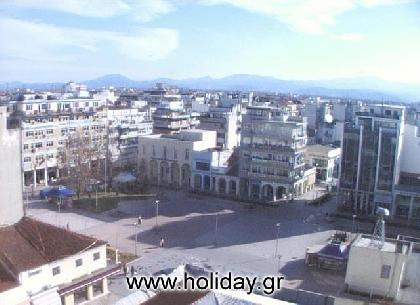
(125, 269)
(132, 270)
(139, 220)
(162, 242)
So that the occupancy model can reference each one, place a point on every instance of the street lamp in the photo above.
(135, 240)
(353, 229)
(277, 239)
(157, 212)
(216, 228)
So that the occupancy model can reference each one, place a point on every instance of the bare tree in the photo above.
(81, 157)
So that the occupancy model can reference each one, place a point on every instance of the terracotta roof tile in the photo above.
(31, 243)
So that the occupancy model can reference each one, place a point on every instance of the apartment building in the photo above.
(371, 159)
(326, 160)
(47, 124)
(272, 155)
(166, 159)
(125, 125)
(225, 119)
(170, 121)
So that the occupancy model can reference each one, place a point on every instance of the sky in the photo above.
(55, 41)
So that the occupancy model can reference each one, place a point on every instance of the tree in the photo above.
(81, 157)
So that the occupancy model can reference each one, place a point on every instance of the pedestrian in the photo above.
(162, 242)
(132, 270)
(125, 269)
(68, 226)
(139, 220)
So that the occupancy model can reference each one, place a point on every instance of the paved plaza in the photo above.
(222, 235)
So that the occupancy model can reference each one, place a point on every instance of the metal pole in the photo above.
(277, 239)
(106, 157)
(59, 212)
(135, 233)
(96, 199)
(157, 212)
(216, 228)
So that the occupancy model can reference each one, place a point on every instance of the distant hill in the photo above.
(358, 88)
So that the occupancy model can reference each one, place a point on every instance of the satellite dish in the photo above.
(382, 211)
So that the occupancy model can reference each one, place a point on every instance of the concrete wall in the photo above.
(364, 271)
(410, 150)
(11, 199)
(68, 270)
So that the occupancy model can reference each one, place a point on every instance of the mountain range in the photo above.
(371, 88)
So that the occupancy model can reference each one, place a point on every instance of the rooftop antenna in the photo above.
(379, 230)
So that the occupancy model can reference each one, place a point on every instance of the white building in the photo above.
(53, 266)
(166, 159)
(391, 271)
(226, 121)
(215, 171)
(326, 160)
(11, 209)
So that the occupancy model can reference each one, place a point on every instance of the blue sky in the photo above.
(50, 40)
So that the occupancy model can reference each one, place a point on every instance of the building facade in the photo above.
(370, 165)
(272, 155)
(11, 208)
(166, 159)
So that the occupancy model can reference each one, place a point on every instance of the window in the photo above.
(187, 154)
(164, 152)
(50, 131)
(96, 256)
(50, 143)
(175, 154)
(79, 262)
(27, 159)
(29, 133)
(35, 272)
(153, 151)
(25, 146)
(385, 271)
(28, 107)
(202, 166)
(56, 270)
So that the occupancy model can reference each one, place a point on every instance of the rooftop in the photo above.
(30, 243)
(176, 298)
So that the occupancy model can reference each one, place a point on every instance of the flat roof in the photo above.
(369, 242)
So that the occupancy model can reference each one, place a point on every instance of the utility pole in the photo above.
(277, 239)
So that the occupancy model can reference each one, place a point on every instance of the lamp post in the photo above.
(157, 212)
(135, 237)
(353, 229)
(216, 228)
(277, 239)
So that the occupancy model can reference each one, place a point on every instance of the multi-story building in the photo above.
(170, 121)
(225, 119)
(407, 191)
(272, 155)
(46, 126)
(125, 125)
(371, 159)
(215, 171)
(166, 159)
(11, 209)
(326, 160)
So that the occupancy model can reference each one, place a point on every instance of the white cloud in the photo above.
(350, 36)
(140, 10)
(310, 16)
(44, 42)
